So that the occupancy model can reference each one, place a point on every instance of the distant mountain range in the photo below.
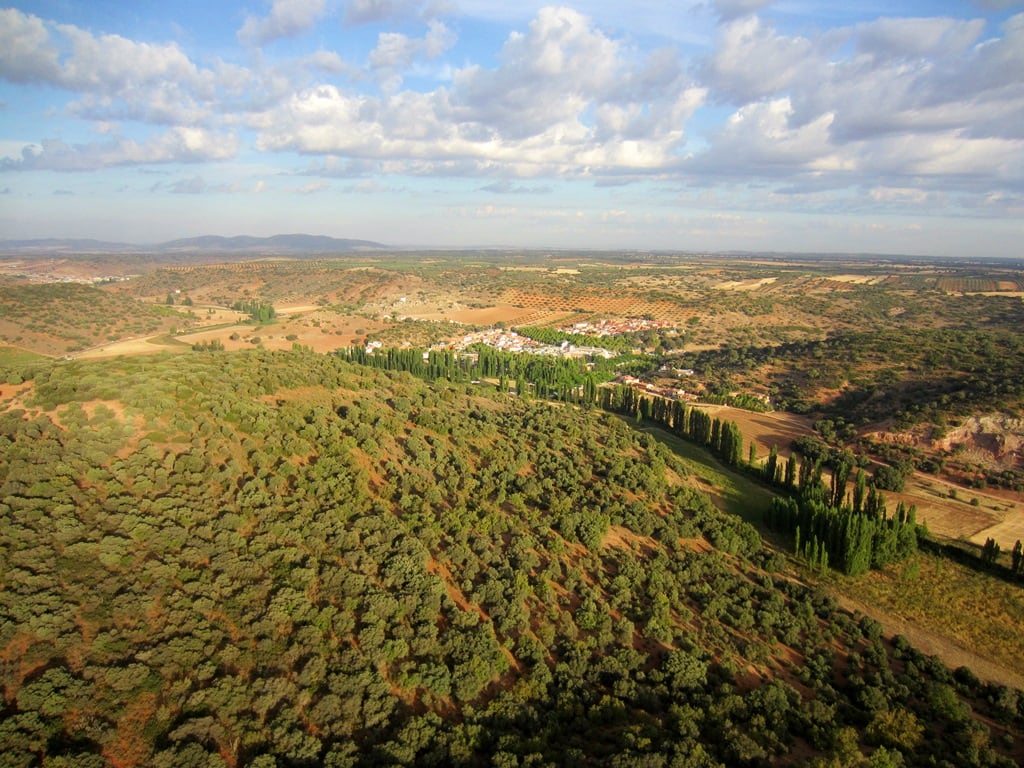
(277, 245)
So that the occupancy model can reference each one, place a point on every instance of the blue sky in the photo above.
(803, 125)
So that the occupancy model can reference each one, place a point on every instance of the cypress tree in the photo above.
(990, 552)
(860, 486)
(771, 466)
(734, 456)
(840, 476)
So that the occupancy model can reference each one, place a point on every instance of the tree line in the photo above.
(260, 311)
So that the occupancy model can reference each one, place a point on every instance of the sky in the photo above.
(693, 125)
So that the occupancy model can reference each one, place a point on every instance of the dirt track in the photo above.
(951, 654)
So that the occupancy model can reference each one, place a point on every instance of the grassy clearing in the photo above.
(973, 608)
(735, 492)
(13, 357)
(169, 340)
(205, 329)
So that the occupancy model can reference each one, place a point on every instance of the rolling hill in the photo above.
(261, 558)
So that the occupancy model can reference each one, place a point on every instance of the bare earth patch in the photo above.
(623, 538)
(859, 279)
(745, 285)
(14, 392)
(766, 429)
(309, 325)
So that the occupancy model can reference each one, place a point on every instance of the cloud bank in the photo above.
(905, 113)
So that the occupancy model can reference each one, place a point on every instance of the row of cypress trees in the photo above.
(722, 437)
(258, 310)
(832, 528)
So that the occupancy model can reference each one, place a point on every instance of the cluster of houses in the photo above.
(39, 272)
(499, 338)
(616, 327)
(669, 393)
(510, 341)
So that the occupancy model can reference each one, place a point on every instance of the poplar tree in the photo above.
(790, 481)
(771, 466)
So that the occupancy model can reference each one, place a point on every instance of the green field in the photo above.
(735, 493)
(12, 357)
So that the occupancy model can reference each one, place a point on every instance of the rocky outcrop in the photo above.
(998, 434)
(996, 438)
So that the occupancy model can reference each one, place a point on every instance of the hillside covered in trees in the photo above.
(62, 318)
(258, 559)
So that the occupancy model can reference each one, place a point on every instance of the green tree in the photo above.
(990, 552)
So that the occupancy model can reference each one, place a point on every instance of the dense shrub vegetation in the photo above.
(262, 559)
(914, 375)
(67, 317)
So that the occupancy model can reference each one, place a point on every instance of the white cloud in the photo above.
(114, 77)
(919, 75)
(194, 186)
(396, 52)
(759, 139)
(950, 156)
(884, 113)
(898, 195)
(178, 145)
(563, 101)
(115, 65)
(910, 103)
(547, 76)
(26, 54)
(491, 212)
(287, 18)
(909, 38)
(370, 11)
(731, 9)
(506, 187)
(369, 187)
(326, 61)
(197, 185)
(752, 61)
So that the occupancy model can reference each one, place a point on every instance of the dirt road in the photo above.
(951, 654)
